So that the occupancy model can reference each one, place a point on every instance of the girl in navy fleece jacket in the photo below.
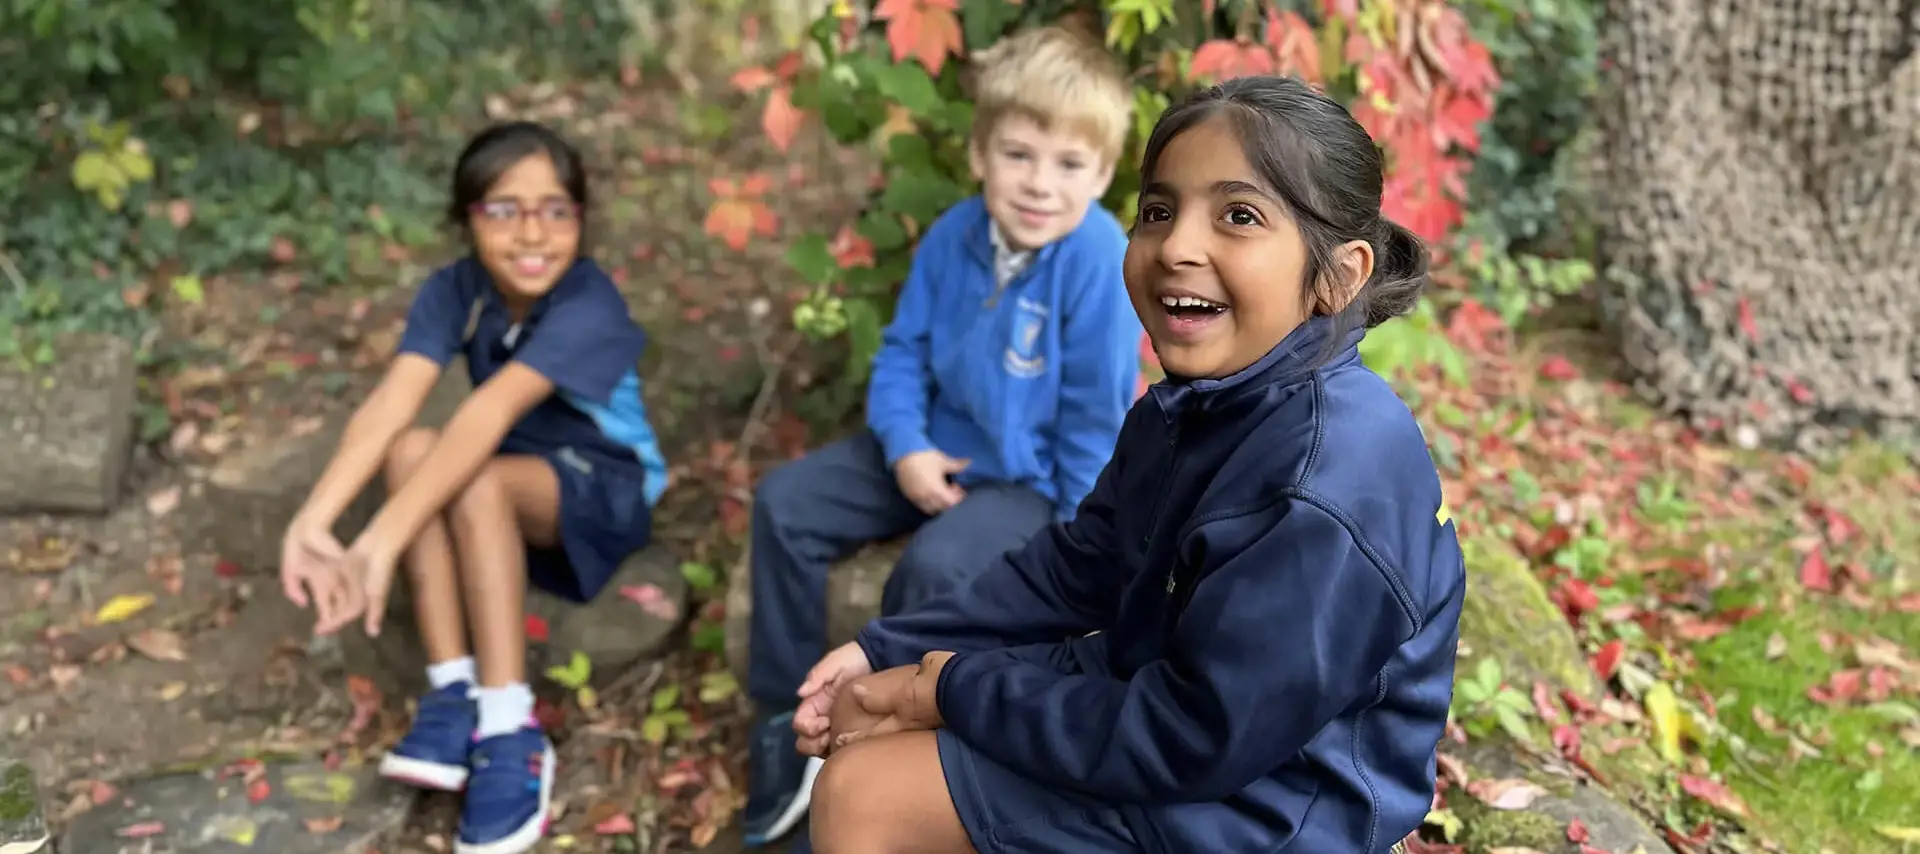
(1244, 641)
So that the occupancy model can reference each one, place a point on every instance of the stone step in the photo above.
(853, 598)
(69, 427)
(285, 808)
(242, 507)
(614, 631)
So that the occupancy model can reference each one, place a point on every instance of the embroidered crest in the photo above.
(1025, 357)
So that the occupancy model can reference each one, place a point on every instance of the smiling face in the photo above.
(526, 230)
(1038, 182)
(1215, 268)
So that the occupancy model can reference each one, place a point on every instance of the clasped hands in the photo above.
(899, 699)
(343, 584)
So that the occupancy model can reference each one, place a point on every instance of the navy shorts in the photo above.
(1005, 813)
(604, 518)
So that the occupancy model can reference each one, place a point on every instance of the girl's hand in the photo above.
(835, 671)
(366, 578)
(309, 559)
(911, 706)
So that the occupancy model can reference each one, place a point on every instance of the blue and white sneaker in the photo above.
(509, 793)
(433, 755)
(779, 781)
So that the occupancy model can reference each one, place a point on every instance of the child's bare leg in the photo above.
(886, 795)
(512, 503)
(431, 570)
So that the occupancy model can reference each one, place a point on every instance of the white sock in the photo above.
(504, 709)
(451, 671)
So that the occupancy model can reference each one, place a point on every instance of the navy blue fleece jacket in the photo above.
(1277, 608)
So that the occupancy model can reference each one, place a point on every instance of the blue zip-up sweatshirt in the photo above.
(1277, 609)
(1029, 382)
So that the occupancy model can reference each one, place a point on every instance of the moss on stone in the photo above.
(1484, 828)
(19, 797)
(1508, 616)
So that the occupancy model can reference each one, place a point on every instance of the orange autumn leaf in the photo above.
(781, 120)
(738, 214)
(927, 30)
(752, 79)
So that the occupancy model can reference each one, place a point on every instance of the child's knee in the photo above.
(406, 453)
(484, 501)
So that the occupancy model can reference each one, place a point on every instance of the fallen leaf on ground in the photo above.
(1506, 793)
(101, 792)
(365, 697)
(142, 830)
(163, 502)
(1899, 834)
(1714, 794)
(158, 644)
(652, 600)
(258, 790)
(122, 607)
(1814, 572)
(537, 629)
(63, 674)
(325, 825)
(1776, 645)
(172, 691)
(619, 825)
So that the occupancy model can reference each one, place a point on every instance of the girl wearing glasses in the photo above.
(547, 473)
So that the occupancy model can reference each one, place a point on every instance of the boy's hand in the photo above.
(923, 477)
(309, 560)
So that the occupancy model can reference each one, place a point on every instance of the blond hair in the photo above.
(1059, 78)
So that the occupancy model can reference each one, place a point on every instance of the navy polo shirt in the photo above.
(579, 336)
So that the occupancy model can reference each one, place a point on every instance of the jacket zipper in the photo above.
(1166, 482)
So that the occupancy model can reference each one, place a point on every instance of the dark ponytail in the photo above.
(1399, 276)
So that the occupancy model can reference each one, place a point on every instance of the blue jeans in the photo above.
(822, 507)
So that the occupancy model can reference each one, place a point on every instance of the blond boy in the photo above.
(996, 395)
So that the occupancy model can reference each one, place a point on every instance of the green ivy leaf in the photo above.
(863, 337)
(664, 698)
(907, 84)
(812, 258)
(187, 289)
(699, 576)
(920, 195)
(882, 230)
(574, 674)
(717, 686)
(985, 21)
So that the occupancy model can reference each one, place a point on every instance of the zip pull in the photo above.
(1171, 583)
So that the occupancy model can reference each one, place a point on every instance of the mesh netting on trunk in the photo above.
(1761, 211)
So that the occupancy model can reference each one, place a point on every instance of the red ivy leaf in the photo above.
(1225, 59)
(1296, 48)
(537, 630)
